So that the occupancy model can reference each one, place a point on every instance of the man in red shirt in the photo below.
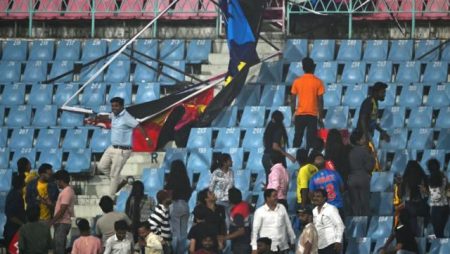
(309, 91)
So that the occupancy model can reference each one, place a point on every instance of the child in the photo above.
(86, 244)
(121, 242)
(208, 246)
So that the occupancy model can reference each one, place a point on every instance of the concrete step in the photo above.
(219, 58)
(82, 211)
(214, 69)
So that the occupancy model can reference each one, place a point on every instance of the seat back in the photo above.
(172, 50)
(48, 138)
(198, 51)
(45, 116)
(270, 72)
(16, 50)
(295, 49)
(42, 50)
(380, 71)
(323, 50)
(61, 67)
(350, 50)
(401, 50)
(35, 71)
(68, 49)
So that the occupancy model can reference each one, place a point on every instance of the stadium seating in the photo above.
(443, 141)
(3, 136)
(41, 94)
(425, 46)
(48, 138)
(242, 179)
(287, 113)
(354, 72)
(249, 96)
(29, 153)
(2, 115)
(438, 96)
(408, 72)
(406, 9)
(295, 50)
(393, 117)
(411, 95)
(436, 72)
(440, 246)
(376, 50)
(101, 139)
(59, 68)
(332, 97)
(147, 92)
(153, 179)
(401, 50)
(19, 116)
(116, 44)
(327, 71)
(401, 158)
(253, 139)
(350, 50)
(356, 227)
(94, 95)
(170, 76)
(323, 50)
(381, 182)
(48, 9)
(429, 154)
(68, 50)
(52, 156)
(420, 117)
(146, 47)
(122, 90)
(295, 70)
(271, 72)
(237, 156)
(122, 201)
(64, 92)
(359, 245)
(337, 117)
(380, 71)
(118, 71)
(421, 138)
(42, 50)
(227, 138)
(254, 160)
(20, 9)
(200, 138)
(93, 48)
(130, 9)
(200, 160)
(226, 118)
(172, 50)
(75, 139)
(10, 71)
(436, 9)
(144, 74)
(88, 71)
(71, 119)
(443, 119)
(4, 156)
(355, 95)
(390, 98)
(5, 179)
(15, 50)
(21, 138)
(253, 117)
(203, 180)
(79, 161)
(174, 154)
(198, 51)
(399, 138)
(380, 227)
(13, 95)
(35, 71)
(445, 55)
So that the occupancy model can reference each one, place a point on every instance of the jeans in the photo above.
(439, 217)
(309, 123)
(60, 237)
(179, 216)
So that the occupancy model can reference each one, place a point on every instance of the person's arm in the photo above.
(320, 110)
(102, 117)
(239, 221)
(277, 147)
(212, 181)
(274, 179)
(288, 224)
(49, 239)
(257, 221)
(338, 227)
(292, 103)
(307, 248)
(387, 243)
(192, 246)
(108, 247)
(59, 214)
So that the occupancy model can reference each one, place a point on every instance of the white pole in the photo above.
(118, 53)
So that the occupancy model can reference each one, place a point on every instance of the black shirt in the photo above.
(369, 107)
(275, 137)
(200, 230)
(217, 219)
(405, 236)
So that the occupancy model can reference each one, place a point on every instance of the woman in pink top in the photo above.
(86, 244)
(279, 178)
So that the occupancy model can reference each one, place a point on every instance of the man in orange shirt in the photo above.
(309, 113)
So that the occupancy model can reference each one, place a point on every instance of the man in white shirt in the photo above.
(121, 242)
(271, 220)
(308, 240)
(328, 223)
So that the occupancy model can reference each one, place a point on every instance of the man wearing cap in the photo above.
(308, 240)
(368, 113)
(116, 155)
(309, 90)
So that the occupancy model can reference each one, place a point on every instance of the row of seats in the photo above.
(105, 9)
(359, 72)
(93, 95)
(195, 51)
(369, 50)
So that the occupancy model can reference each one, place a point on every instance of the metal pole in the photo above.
(93, 19)
(30, 18)
(350, 19)
(119, 52)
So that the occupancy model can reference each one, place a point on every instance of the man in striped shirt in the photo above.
(160, 219)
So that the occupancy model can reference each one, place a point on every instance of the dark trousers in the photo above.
(359, 191)
(439, 217)
(328, 250)
(309, 123)
(243, 248)
(267, 164)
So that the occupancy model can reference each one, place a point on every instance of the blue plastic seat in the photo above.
(68, 50)
(253, 139)
(200, 160)
(48, 138)
(401, 50)
(93, 49)
(5, 179)
(356, 226)
(287, 113)
(200, 138)
(421, 138)
(292, 202)
(355, 95)
(64, 92)
(19, 116)
(153, 179)
(295, 70)
(118, 71)
(226, 118)
(175, 74)
(380, 227)
(443, 119)
(376, 50)
(295, 50)
(333, 96)
(147, 92)
(380, 71)
(389, 100)
(10, 71)
(45, 116)
(273, 96)
(2, 115)
(100, 140)
(354, 72)
(425, 46)
(71, 119)
(271, 72)
(35, 71)
(60, 67)
(253, 117)
(192, 201)
(40, 95)
(117, 44)
(420, 117)
(52, 156)
(172, 50)
(4, 157)
(147, 47)
(121, 201)
(408, 72)
(411, 95)
(94, 95)
(174, 154)
(79, 161)
(15, 50)
(122, 90)
(13, 95)
(323, 50)
(401, 158)
(242, 179)
(443, 141)
(337, 117)
(382, 182)
(75, 139)
(445, 54)
(145, 74)
(29, 153)
(292, 167)
(88, 71)
(440, 246)
(254, 160)
(198, 51)
(436, 72)
(393, 117)
(3, 136)
(228, 137)
(399, 138)
(237, 156)
(350, 50)
(249, 96)
(326, 71)
(432, 153)
(203, 180)
(21, 138)
(359, 245)
(42, 50)
(439, 96)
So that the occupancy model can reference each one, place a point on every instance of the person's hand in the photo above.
(385, 136)
(291, 158)
(338, 247)
(46, 201)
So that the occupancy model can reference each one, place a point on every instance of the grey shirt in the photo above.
(362, 161)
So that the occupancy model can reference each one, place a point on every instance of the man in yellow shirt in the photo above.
(308, 167)
(43, 193)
